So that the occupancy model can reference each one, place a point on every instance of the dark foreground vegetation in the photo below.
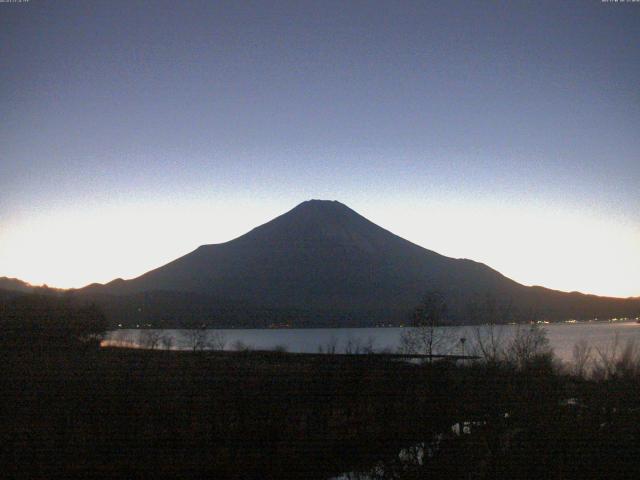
(71, 409)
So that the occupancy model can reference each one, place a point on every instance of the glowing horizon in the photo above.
(555, 250)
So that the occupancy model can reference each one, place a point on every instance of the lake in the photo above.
(562, 337)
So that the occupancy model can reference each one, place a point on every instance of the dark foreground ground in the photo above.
(115, 413)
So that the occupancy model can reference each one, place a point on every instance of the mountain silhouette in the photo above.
(15, 285)
(323, 263)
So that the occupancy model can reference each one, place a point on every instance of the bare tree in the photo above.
(331, 346)
(614, 360)
(628, 364)
(581, 358)
(150, 339)
(358, 346)
(196, 338)
(369, 346)
(604, 365)
(425, 335)
(167, 342)
(489, 343)
(529, 343)
(217, 340)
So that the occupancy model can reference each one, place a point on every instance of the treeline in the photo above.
(47, 320)
(194, 310)
(164, 309)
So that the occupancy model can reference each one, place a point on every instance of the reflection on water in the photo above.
(562, 337)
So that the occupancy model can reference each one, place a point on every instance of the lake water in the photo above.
(562, 337)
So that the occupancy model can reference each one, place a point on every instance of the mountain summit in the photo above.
(322, 260)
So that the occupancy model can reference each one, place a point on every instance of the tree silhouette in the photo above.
(203, 339)
(425, 336)
(49, 320)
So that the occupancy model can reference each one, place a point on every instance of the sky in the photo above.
(503, 132)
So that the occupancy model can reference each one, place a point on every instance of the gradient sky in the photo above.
(504, 132)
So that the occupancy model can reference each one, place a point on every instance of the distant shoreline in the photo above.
(543, 323)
